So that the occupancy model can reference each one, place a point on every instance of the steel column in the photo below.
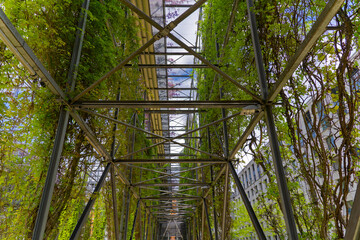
(225, 202)
(208, 218)
(136, 213)
(213, 186)
(76, 233)
(285, 200)
(45, 201)
(114, 196)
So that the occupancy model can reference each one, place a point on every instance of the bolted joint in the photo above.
(165, 31)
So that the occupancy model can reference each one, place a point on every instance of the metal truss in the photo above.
(175, 202)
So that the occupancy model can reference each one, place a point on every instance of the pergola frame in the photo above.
(262, 106)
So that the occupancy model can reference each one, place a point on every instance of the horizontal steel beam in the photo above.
(143, 161)
(174, 89)
(179, 47)
(166, 66)
(175, 155)
(170, 130)
(171, 198)
(165, 104)
(171, 184)
(173, 111)
(177, 138)
(166, 53)
(178, 5)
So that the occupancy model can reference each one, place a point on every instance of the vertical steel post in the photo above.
(202, 222)
(194, 229)
(122, 215)
(208, 218)
(213, 188)
(114, 196)
(76, 233)
(147, 227)
(45, 201)
(134, 222)
(247, 204)
(112, 177)
(130, 180)
(225, 202)
(274, 142)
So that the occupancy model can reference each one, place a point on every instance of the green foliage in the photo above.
(282, 26)
(29, 112)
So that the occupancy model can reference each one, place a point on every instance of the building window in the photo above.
(308, 119)
(258, 170)
(253, 169)
(250, 177)
(247, 182)
(325, 123)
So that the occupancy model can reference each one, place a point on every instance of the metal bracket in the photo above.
(165, 31)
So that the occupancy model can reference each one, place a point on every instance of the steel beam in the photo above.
(250, 210)
(225, 203)
(168, 160)
(158, 36)
(114, 196)
(45, 201)
(166, 139)
(285, 200)
(134, 222)
(177, 138)
(208, 219)
(331, 8)
(171, 184)
(213, 187)
(112, 178)
(166, 53)
(246, 133)
(96, 144)
(166, 66)
(203, 222)
(174, 89)
(90, 135)
(171, 198)
(189, 49)
(167, 104)
(26, 56)
(76, 233)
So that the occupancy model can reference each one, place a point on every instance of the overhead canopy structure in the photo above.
(173, 113)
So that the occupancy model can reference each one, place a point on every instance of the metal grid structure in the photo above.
(172, 215)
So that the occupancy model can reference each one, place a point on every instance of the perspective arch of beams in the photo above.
(262, 104)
